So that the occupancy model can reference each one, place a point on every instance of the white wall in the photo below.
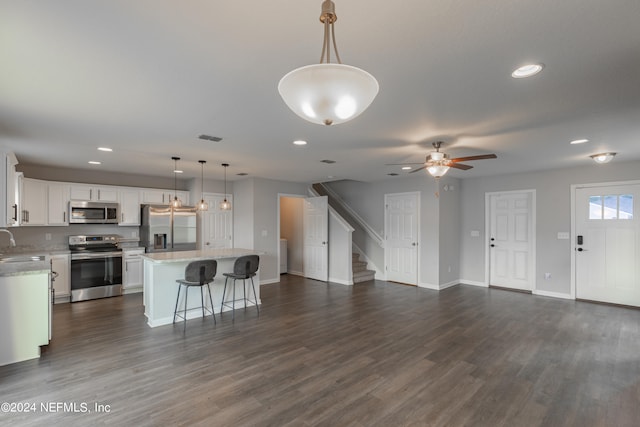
(367, 199)
(256, 222)
(553, 214)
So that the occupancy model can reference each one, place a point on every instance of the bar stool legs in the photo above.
(232, 304)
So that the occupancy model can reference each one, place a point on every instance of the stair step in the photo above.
(358, 266)
(364, 276)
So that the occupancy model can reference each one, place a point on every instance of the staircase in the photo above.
(360, 272)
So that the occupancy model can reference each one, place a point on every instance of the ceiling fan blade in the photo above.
(419, 169)
(460, 166)
(402, 164)
(480, 157)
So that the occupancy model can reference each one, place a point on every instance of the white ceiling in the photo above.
(146, 77)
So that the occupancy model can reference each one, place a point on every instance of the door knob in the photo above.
(493, 246)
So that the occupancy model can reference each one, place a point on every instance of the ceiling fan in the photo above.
(438, 163)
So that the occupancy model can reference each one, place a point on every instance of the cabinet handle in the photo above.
(122, 216)
(64, 217)
(98, 194)
(15, 212)
(91, 194)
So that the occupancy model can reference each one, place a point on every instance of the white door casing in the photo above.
(217, 224)
(607, 243)
(511, 236)
(316, 238)
(401, 237)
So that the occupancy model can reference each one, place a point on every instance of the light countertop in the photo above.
(24, 268)
(182, 256)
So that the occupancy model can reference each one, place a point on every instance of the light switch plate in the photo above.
(563, 235)
(475, 233)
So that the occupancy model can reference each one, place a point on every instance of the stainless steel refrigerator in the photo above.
(166, 229)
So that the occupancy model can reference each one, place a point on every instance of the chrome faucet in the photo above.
(12, 242)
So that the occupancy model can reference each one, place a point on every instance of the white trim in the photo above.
(487, 229)
(473, 283)
(341, 282)
(439, 287)
(269, 281)
(552, 294)
(341, 221)
(295, 273)
(575, 187)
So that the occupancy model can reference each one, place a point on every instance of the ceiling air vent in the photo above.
(328, 161)
(242, 174)
(210, 138)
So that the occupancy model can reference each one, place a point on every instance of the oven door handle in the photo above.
(97, 256)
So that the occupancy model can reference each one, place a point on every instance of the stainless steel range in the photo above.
(96, 267)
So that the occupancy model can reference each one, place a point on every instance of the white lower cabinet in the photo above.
(61, 267)
(132, 274)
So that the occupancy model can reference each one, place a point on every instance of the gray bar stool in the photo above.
(244, 268)
(197, 273)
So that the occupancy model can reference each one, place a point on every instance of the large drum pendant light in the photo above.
(327, 93)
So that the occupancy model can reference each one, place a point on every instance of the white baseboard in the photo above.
(269, 281)
(296, 273)
(552, 294)
(132, 290)
(438, 287)
(341, 282)
(473, 283)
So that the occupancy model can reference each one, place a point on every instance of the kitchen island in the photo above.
(25, 309)
(161, 270)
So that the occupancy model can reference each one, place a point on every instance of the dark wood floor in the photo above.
(375, 354)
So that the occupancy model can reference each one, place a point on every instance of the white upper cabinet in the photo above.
(34, 202)
(163, 197)
(94, 193)
(58, 205)
(129, 207)
(9, 211)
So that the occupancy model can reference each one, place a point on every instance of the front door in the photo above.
(511, 242)
(316, 238)
(401, 237)
(607, 244)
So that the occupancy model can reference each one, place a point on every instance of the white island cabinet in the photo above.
(25, 311)
(161, 270)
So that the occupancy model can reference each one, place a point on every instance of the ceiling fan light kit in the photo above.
(603, 157)
(438, 163)
(328, 93)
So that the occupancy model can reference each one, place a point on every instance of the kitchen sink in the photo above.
(20, 258)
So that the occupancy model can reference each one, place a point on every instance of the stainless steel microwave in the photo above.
(81, 212)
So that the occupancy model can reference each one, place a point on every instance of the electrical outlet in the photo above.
(47, 236)
(449, 269)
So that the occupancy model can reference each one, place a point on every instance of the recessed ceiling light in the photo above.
(527, 71)
(406, 168)
(105, 149)
(300, 142)
(579, 141)
(177, 171)
(93, 162)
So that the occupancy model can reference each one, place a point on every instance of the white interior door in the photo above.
(607, 244)
(217, 225)
(511, 241)
(316, 238)
(401, 237)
